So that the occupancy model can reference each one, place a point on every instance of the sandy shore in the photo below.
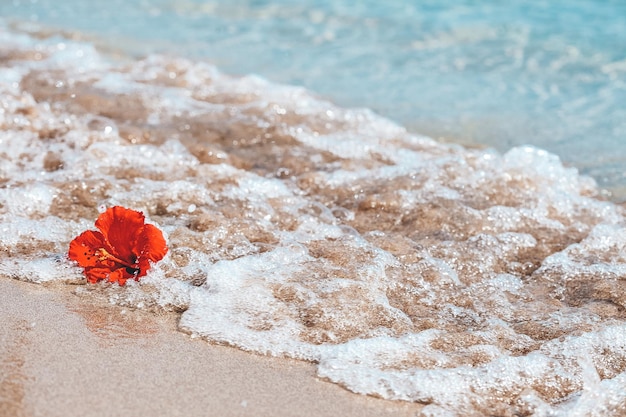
(62, 355)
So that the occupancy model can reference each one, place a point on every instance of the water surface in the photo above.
(501, 74)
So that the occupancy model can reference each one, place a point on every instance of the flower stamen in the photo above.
(103, 255)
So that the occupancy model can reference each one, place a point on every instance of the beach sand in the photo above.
(66, 355)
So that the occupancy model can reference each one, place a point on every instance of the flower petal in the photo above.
(96, 274)
(121, 226)
(83, 248)
(150, 247)
(120, 276)
(151, 243)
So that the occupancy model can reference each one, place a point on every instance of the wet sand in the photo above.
(65, 355)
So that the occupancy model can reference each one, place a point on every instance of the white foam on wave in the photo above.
(462, 279)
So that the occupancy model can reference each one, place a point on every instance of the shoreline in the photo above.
(466, 279)
(62, 355)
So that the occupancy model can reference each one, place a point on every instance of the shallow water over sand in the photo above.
(464, 279)
(551, 73)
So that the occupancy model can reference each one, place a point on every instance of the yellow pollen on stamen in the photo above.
(103, 255)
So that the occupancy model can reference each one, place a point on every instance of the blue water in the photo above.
(547, 73)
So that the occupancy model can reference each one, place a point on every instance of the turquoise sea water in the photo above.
(501, 74)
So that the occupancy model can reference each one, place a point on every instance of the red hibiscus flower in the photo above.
(123, 248)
